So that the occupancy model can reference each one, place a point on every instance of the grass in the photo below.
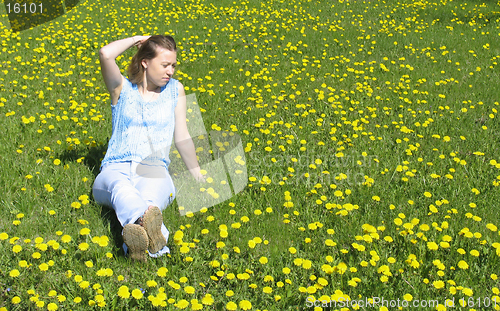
(369, 131)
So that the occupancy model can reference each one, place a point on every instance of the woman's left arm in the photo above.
(182, 139)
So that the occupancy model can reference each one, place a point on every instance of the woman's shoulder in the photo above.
(177, 84)
(174, 84)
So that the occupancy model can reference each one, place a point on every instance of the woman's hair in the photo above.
(148, 50)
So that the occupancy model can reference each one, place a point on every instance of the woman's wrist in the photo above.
(196, 173)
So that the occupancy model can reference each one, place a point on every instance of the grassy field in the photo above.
(371, 144)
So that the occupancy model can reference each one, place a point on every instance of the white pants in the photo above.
(130, 188)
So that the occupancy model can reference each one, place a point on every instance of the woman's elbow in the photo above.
(103, 54)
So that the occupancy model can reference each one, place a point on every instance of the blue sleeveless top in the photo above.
(142, 131)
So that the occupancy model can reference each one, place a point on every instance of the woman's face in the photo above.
(160, 69)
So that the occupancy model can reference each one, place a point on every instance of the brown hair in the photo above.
(148, 50)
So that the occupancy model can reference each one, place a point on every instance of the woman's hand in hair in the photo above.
(139, 40)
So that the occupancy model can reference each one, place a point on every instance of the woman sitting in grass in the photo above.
(148, 110)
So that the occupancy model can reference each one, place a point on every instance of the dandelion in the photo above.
(14, 273)
(207, 300)
(245, 305)
(84, 231)
(251, 244)
(43, 267)
(137, 294)
(182, 304)
(123, 292)
(17, 248)
(231, 306)
(467, 291)
(162, 272)
(463, 265)
(84, 284)
(432, 246)
(438, 284)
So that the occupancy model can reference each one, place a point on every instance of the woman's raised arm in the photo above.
(109, 69)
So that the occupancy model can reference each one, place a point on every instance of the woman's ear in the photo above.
(144, 64)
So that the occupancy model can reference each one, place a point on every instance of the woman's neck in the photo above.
(144, 87)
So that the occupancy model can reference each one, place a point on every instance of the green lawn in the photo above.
(371, 143)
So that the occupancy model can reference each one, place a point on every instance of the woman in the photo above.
(148, 109)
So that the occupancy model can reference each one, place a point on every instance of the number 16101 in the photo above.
(19, 8)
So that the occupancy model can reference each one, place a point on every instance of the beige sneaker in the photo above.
(152, 221)
(136, 239)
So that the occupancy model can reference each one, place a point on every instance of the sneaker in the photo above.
(136, 239)
(152, 221)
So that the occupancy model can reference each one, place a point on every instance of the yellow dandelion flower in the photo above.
(432, 246)
(251, 244)
(408, 297)
(84, 231)
(123, 292)
(43, 267)
(245, 305)
(14, 273)
(207, 300)
(17, 248)
(463, 265)
(438, 284)
(162, 272)
(231, 306)
(137, 294)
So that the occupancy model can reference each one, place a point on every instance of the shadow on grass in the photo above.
(110, 221)
(92, 157)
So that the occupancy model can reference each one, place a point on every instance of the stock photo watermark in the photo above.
(310, 168)
(222, 160)
(26, 14)
(220, 156)
(378, 302)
